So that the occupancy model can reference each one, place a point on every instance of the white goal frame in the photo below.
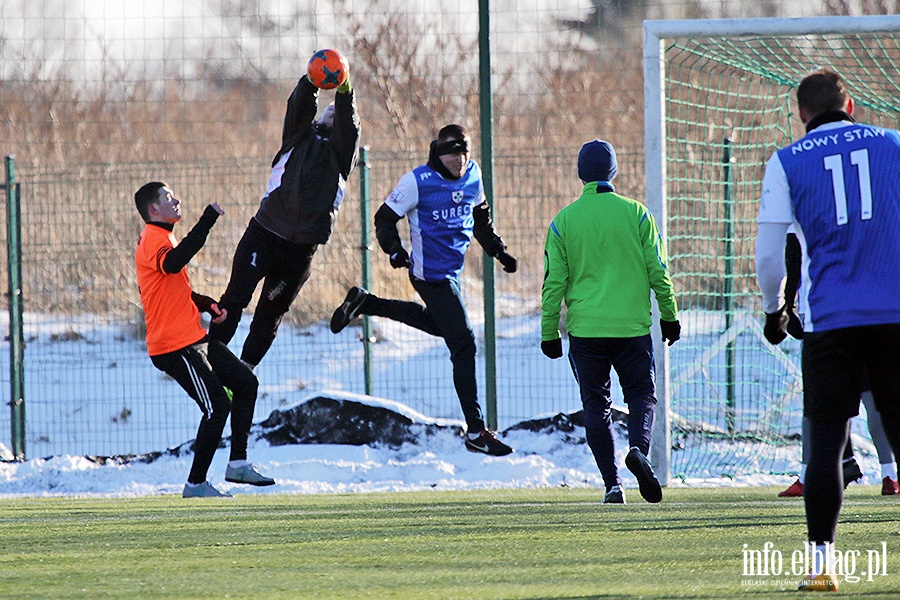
(655, 34)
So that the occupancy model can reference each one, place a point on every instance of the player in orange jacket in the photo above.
(179, 346)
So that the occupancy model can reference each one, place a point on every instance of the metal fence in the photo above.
(89, 385)
(99, 98)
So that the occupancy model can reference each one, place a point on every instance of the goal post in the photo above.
(718, 100)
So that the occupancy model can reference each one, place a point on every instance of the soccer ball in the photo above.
(327, 69)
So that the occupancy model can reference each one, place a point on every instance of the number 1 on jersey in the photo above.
(833, 163)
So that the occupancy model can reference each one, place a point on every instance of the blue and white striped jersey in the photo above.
(843, 183)
(440, 218)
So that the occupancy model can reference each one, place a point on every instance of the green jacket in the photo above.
(602, 257)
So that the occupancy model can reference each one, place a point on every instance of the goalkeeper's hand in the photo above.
(345, 87)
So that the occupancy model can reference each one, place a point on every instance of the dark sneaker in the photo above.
(648, 485)
(202, 490)
(889, 487)
(614, 495)
(246, 474)
(795, 490)
(487, 443)
(347, 311)
(852, 472)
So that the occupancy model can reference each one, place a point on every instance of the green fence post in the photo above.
(365, 218)
(16, 307)
(728, 284)
(487, 168)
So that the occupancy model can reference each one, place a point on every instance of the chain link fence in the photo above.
(99, 98)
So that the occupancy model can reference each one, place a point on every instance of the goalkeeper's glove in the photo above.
(345, 87)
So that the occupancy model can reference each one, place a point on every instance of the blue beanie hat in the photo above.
(597, 162)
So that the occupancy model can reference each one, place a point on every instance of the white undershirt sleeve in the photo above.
(770, 270)
(775, 200)
(775, 216)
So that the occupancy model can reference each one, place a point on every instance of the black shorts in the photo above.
(833, 366)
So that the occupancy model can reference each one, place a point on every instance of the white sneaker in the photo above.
(202, 490)
(246, 474)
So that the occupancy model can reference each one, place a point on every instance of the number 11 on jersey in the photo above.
(833, 163)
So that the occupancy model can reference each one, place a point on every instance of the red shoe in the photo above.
(794, 491)
(890, 487)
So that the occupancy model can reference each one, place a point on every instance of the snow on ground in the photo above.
(439, 462)
(436, 462)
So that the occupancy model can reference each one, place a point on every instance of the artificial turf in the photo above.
(536, 543)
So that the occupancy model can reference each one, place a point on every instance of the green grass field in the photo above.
(544, 543)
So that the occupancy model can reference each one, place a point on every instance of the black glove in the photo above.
(509, 262)
(552, 348)
(794, 324)
(775, 329)
(671, 331)
(399, 257)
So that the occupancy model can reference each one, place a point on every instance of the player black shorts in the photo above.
(833, 365)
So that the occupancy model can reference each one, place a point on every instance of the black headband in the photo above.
(451, 147)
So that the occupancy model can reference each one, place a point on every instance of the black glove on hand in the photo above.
(552, 348)
(671, 331)
(775, 329)
(509, 262)
(399, 258)
(794, 325)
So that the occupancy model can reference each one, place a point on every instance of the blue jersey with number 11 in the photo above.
(845, 194)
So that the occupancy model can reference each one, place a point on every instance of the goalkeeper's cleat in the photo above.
(795, 490)
(824, 582)
(851, 471)
(614, 495)
(246, 474)
(889, 487)
(648, 485)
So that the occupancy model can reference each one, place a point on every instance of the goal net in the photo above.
(719, 99)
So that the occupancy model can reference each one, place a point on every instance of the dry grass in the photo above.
(81, 155)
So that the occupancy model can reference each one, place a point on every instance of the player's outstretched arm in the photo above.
(345, 136)
(178, 257)
(300, 112)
